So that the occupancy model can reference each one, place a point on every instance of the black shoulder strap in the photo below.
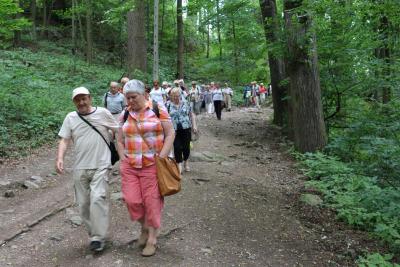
(105, 100)
(155, 109)
(94, 128)
(126, 114)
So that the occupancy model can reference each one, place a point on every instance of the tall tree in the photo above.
(276, 65)
(155, 40)
(219, 29)
(235, 52)
(89, 35)
(180, 39)
(17, 33)
(136, 52)
(383, 53)
(304, 92)
(33, 19)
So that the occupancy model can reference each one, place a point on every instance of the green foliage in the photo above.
(8, 21)
(376, 260)
(36, 95)
(358, 199)
(371, 141)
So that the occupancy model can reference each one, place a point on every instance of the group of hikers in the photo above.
(255, 94)
(144, 122)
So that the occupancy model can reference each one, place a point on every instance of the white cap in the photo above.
(80, 91)
(134, 86)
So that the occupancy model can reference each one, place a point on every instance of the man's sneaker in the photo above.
(96, 246)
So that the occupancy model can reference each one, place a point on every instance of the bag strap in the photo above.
(94, 128)
(105, 100)
(155, 109)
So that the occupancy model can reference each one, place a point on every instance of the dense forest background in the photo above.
(334, 67)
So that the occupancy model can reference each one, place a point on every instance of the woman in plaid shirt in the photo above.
(143, 134)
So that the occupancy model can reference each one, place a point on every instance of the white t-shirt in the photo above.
(227, 90)
(157, 95)
(91, 152)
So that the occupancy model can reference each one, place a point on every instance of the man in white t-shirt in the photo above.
(158, 94)
(92, 162)
(228, 93)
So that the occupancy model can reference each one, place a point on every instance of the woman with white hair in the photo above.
(145, 131)
(183, 120)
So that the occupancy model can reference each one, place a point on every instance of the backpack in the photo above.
(154, 109)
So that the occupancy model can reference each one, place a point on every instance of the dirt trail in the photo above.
(238, 207)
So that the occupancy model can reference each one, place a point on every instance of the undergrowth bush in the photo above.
(36, 95)
(376, 260)
(358, 199)
(371, 142)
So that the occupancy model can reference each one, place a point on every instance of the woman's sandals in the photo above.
(149, 250)
(144, 235)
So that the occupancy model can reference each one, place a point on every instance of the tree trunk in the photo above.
(148, 36)
(219, 31)
(162, 19)
(208, 41)
(276, 65)
(383, 53)
(304, 90)
(155, 39)
(179, 20)
(44, 24)
(89, 36)
(49, 10)
(81, 33)
(137, 51)
(17, 33)
(235, 52)
(33, 19)
(73, 23)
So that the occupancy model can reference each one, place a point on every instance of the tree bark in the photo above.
(162, 19)
(155, 40)
(235, 52)
(179, 20)
(383, 53)
(44, 23)
(73, 23)
(73, 33)
(219, 30)
(137, 51)
(276, 65)
(208, 41)
(304, 92)
(33, 19)
(17, 33)
(81, 33)
(89, 36)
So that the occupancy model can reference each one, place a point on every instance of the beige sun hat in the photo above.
(80, 91)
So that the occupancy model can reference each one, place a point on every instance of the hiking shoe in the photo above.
(96, 246)
(149, 250)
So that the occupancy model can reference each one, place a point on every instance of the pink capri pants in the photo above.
(141, 194)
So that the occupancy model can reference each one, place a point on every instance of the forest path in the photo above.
(238, 207)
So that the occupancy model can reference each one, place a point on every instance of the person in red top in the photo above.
(263, 92)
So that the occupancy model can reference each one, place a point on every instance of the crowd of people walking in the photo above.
(145, 121)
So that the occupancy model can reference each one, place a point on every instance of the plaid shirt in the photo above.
(139, 152)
